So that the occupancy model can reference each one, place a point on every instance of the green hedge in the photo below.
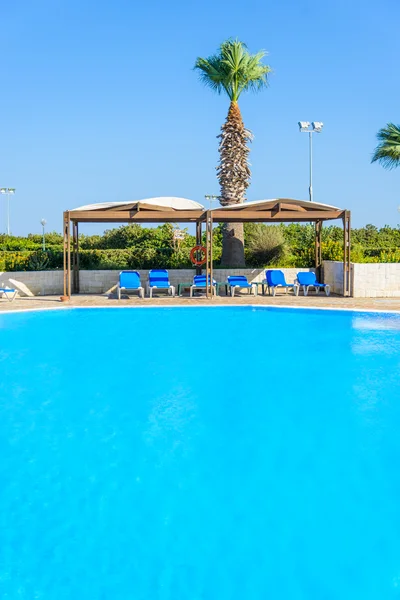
(131, 258)
(136, 247)
(149, 258)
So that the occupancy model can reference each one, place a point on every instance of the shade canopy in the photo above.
(150, 210)
(157, 210)
(181, 210)
(161, 203)
(278, 210)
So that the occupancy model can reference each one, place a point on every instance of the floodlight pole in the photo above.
(8, 213)
(43, 223)
(7, 191)
(310, 128)
(211, 198)
(310, 189)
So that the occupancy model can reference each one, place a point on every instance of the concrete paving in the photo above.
(312, 300)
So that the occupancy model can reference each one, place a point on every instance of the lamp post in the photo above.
(211, 198)
(8, 191)
(43, 223)
(310, 128)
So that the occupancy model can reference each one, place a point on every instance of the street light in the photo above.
(310, 128)
(211, 198)
(43, 223)
(8, 192)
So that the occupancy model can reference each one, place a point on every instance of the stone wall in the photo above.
(46, 283)
(367, 280)
(376, 280)
(333, 275)
(34, 283)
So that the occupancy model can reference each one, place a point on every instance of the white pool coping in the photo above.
(190, 306)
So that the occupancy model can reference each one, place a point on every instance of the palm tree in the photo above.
(233, 70)
(387, 151)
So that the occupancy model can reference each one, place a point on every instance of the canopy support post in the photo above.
(346, 253)
(198, 243)
(318, 249)
(211, 257)
(209, 252)
(67, 254)
(75, 257)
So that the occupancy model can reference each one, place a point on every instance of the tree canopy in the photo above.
(387, 151)
(233, 70)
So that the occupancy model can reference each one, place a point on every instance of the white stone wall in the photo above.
(33, 283)
(367, 280)
(376, 280)
(333, 275)
(99, 282)
(46, 283)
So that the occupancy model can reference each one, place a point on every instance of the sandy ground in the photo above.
(320, 301)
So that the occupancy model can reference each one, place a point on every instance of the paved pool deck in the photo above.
(316, 301)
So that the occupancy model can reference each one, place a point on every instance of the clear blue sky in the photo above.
(99, 102)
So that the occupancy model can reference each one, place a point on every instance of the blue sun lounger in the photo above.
(199, 283)
(7, 291)
(129, 281)
(240, 282)
(308, 280)
(159, 280)
(276, 278)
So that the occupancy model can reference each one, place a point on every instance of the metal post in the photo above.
(8, 213)
(7, 191)
(43, 224)
(316, 127)
(310, 189)
(211, 198)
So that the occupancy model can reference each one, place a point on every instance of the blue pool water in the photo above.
(199, 454)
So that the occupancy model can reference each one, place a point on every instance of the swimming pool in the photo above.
(199, 453)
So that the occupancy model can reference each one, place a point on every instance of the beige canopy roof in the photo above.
(157, 210)
(277, 209)
(161, 203)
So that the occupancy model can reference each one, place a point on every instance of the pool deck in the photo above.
(314, 301)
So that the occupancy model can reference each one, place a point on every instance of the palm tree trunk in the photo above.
(234, 177)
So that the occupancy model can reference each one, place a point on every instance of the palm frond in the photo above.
(387, 151)
(234, 69)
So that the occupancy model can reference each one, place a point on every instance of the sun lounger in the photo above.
(199, 283)
(276, 278)
(9, 293)
(159, 280)
(240, 282)
(129, 281)
(308, 280)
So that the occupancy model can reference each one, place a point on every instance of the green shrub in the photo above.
(265, 245)
(389, 256)
(38, 261)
